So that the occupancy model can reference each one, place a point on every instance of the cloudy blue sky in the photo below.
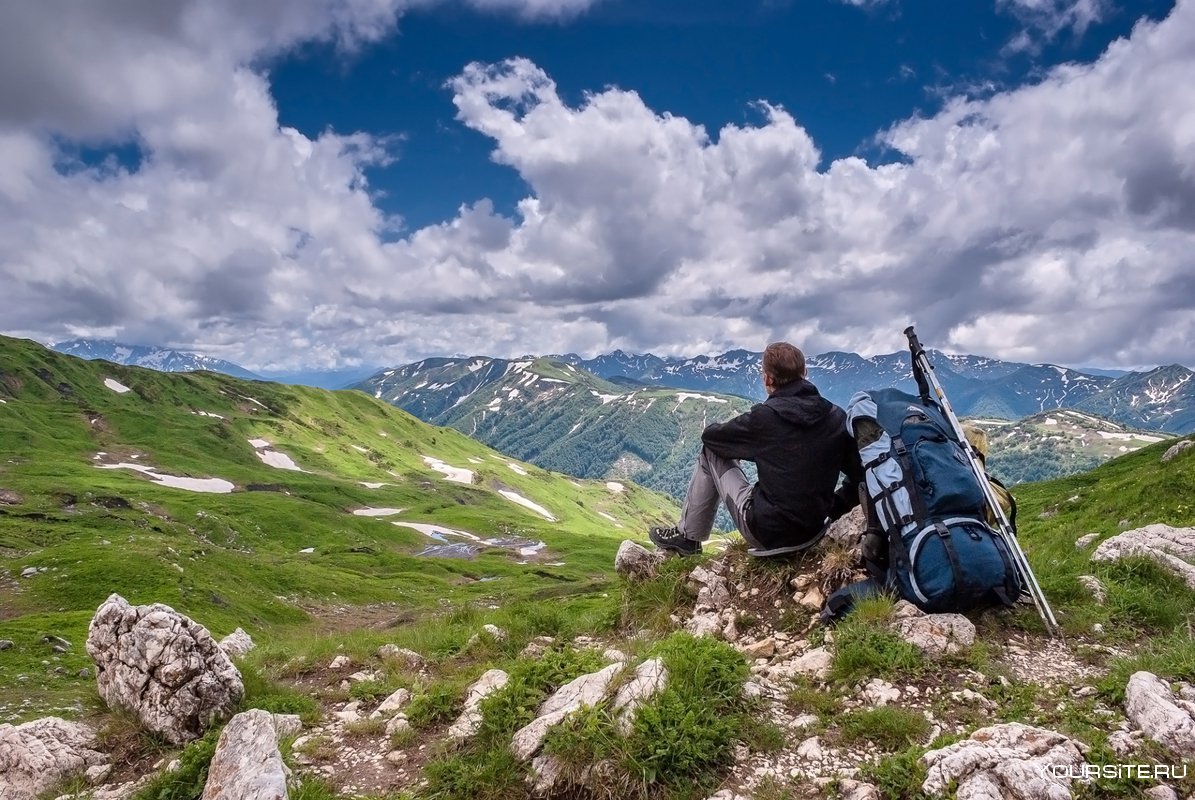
(320, 183)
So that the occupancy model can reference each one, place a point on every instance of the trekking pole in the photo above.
(923, 371)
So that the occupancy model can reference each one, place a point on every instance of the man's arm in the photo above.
(847, 495)
(734, 438)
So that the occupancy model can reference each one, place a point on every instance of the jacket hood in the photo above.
(800, 403)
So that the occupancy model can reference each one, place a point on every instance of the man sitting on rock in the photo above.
(799, 443)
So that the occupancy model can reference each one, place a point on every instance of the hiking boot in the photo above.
(671, 539)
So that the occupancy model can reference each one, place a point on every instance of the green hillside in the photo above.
(235, 559)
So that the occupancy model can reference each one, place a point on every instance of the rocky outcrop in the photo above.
(933, 634)
(37, 755)
(636, 562)
(585, 691)
(470, 719)
(1173, 548)
(247, 764)
(1176, 450)
(1006, 762)
(408, 658)
(237, 644)
(163, 667)
(1163, 716)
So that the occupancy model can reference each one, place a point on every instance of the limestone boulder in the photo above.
(237, 644)
(470, 719)
(1176, 450)
(37, 755)
(933, 634)
(635, 562)
(1160, 714)
(1012, 761)
(163, 667)
(1173, 548)
(247, 764)
(649, 679)
(585, 691)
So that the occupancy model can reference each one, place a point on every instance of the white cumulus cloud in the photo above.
(1054, 221)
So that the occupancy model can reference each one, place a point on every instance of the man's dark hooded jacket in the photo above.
(799, 443)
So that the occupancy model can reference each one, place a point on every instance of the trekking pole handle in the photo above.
(914, 344)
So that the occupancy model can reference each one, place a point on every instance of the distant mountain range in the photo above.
(560, 417)
(1158, 399)
(640, 416)
(165, 359)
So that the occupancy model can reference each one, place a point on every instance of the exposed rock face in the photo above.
(1162, 716)
(470, 719)
(636, 562)
(37, 755)
(162, 666)
(392, 704)
(247, 764)
(848, 529)
(587, 690)
(1174, 548)
(237, 644)
(1094, 585)
(10, 498)
(1007, 761)
(933, 634)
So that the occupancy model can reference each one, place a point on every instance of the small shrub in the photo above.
(439, 703)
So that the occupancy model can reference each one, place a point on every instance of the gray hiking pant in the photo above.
(715, 479)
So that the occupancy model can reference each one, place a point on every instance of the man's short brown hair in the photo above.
(783, 362)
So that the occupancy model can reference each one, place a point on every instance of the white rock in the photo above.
(935, 634)
(1161, 793)
(470, 719)
(1093, 584)
(340, 662)
(1152, 707)
(708, 624)
(494, 631)
(247, 764)
(392, 704)
(1124, 743)
(1009, 760)
(162, 666)
(1176, 450)
(1173, 548)
(815, 664)
(649, 679)
(287, 725)
(36, 756)
(584, 691)
(547, 772)
(1083, 541)
(810, 749)
(854, 790)
(408, 658)
(237, 644)
(880, 693)
(636, 562)
(399, 724)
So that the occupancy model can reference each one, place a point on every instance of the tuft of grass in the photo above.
(864, 647)
(899, 776)
(1171, 656)
(807, 698)
(888, 727)
(277, 698)
(493, 774)
(650, 603)
(365, 727)
(763, 736)
(186, 782)
(438, 703)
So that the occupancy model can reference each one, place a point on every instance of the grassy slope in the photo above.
(233, 559)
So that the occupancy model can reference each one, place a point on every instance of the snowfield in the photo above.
(455, 474)
(208, 485)
(116, 386)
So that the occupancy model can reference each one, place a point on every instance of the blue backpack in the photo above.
(923, 497)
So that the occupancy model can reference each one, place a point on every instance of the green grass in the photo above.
(888, 727)
(230, 560)
(864, 647)
(899, 776)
